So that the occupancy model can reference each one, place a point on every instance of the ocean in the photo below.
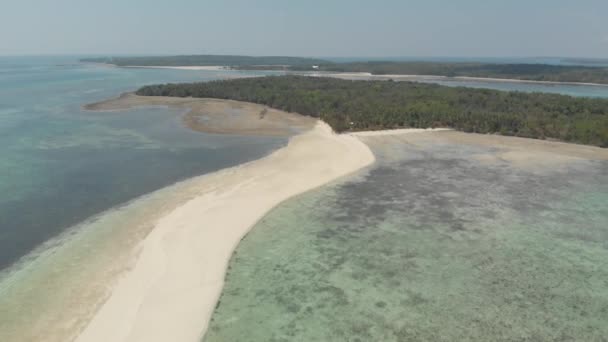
(78, 189)
(60, 165)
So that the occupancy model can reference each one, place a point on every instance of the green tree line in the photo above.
(370, 105)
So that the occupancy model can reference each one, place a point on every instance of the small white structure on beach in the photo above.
(316, 67)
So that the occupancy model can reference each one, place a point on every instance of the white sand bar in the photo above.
(397, 131)
(193, 67)
(171, 292)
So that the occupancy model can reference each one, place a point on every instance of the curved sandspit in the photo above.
(171, 291)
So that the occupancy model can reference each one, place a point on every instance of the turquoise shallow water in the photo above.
(60, 165)
(55, 156)
(79, 189)
(431, 244)
(66, 174)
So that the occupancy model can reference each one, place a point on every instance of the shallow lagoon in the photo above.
(434, 243)
(60, 165)
(78, 189)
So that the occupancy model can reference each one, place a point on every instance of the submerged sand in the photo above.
(171, 291)
(529, 154)
(217, 116)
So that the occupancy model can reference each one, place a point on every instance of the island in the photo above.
(585, 71)
(374, 105)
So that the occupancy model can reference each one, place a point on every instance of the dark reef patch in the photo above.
(433, 245)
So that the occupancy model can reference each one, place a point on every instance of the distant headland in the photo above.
(585, 71)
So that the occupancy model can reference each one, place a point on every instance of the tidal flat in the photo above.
(448, 237)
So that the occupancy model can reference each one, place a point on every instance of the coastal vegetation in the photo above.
(530, 72)
(372, 105)
(206, 60)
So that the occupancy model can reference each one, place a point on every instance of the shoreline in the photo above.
(172, 289)
(106, 244)
(457, 78)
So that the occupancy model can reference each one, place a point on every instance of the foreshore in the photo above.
(170, 292)
(370, 76)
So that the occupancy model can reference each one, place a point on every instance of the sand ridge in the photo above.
(171, 292)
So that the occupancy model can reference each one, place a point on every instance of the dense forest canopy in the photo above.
(531, 72)
(368, 105)
(206, 60)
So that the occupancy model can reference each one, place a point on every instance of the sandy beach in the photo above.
(398, 131)
(399, 77)
(529, 154)
(171, 291)
(205, 67)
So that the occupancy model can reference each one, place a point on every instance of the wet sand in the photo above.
(217, 116)
(519, 148)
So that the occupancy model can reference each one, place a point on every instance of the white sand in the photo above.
(172, 290)
(397, 131)
(400, 77)
(206, 67)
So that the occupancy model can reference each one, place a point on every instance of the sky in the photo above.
(336, 28)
